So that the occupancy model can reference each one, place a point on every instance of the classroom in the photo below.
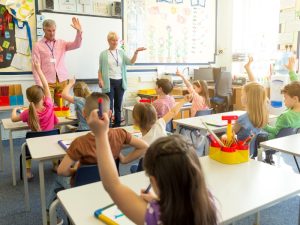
(149, 112)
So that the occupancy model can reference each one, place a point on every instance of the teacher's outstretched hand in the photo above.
(76, 24)
(134, 57)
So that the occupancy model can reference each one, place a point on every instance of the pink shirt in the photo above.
(47, 117)
(45, 51)
(163, 105)
(198, 102)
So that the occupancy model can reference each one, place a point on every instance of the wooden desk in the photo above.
(52, 150)
(17, 126)
(240, 190)
(4, 109)
(289, 144)
(128, 109)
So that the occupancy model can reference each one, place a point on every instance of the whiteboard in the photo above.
(173, 31)
(84, 61)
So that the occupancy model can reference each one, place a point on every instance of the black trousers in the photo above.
(116, 97)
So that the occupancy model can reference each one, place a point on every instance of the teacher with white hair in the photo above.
(112, 74)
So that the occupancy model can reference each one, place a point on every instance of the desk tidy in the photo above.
(230, 152)
(61, 111)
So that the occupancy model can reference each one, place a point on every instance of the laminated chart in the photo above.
(172, 31)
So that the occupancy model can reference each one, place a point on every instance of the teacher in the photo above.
(112, 74)
(50, 53)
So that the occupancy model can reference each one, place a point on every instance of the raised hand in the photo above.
(250, 61)
(76, 24)
(72, 81)
(98, 126)
(36, 63)
(291, 63)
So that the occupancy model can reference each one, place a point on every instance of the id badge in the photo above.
(52, 60)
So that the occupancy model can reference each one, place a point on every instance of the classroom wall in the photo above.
(141, 80)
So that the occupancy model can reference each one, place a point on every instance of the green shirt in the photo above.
(288, 119)
(294, 76)
(103, 68)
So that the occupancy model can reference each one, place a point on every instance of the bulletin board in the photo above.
(17, 25)
(173, 31)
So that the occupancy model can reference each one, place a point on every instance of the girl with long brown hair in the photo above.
(40, 114)
(175, 174)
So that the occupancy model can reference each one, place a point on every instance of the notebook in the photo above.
(112, 215)
(65, 144)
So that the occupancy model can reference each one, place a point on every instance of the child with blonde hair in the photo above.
(181, 198)
(198, 94)
(40, 115)
(81, 92)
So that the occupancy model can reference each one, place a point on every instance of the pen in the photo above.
(100, 108)
(119, 215)
(148, 189)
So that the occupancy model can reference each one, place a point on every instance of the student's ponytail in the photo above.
(33, 118)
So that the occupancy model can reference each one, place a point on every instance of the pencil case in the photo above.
(235, 154)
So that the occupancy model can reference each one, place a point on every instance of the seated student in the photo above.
(181, 195)
(288, 119)
(145, 117)
(40, 114)
(165, 102)
(83, 148)
(291, 68)
(198, 94)
(81, 92)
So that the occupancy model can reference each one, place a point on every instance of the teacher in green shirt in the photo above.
(112, 74)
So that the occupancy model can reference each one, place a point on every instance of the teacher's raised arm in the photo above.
(112, 74)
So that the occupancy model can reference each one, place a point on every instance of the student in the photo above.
(165, 102)
(290, 118)
(81, 91)
(83, 148)
(40, 115)
(199, 94)
(290, 66)
(175, 175)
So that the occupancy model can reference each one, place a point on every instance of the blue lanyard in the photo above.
(51, 49)
(116, 59)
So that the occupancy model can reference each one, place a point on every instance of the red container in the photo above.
(4, 100)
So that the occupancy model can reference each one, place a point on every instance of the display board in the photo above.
(174, 31)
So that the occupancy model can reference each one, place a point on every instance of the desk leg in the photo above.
(296, 164)
(178, 127)
(259, 153)
(26, 192)
(126, 117)
(12, 158)
(257, 219)
(181, 113)
(42, 190)
(1, 150)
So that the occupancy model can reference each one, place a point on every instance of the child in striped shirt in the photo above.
(165, 102)
(198, 94)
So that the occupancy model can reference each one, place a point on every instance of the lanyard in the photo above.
(51, 49)
(115, 58)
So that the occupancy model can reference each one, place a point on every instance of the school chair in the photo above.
(204, 112)
(169, 126)
(86, 174)
(24, 148)
(222, 100)
(282, 133)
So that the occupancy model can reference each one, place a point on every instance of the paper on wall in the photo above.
(21, 62)
(285, 4)
(21, 33)
(287, 16)
(292, 26)
(22, 46)
(286, 38)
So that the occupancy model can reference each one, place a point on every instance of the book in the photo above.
(65, 144)
(112, 215)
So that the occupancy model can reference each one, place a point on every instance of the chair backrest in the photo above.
(33, 134)
(86, 174)
(223, 84)
(287, 131)
(204, 112)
